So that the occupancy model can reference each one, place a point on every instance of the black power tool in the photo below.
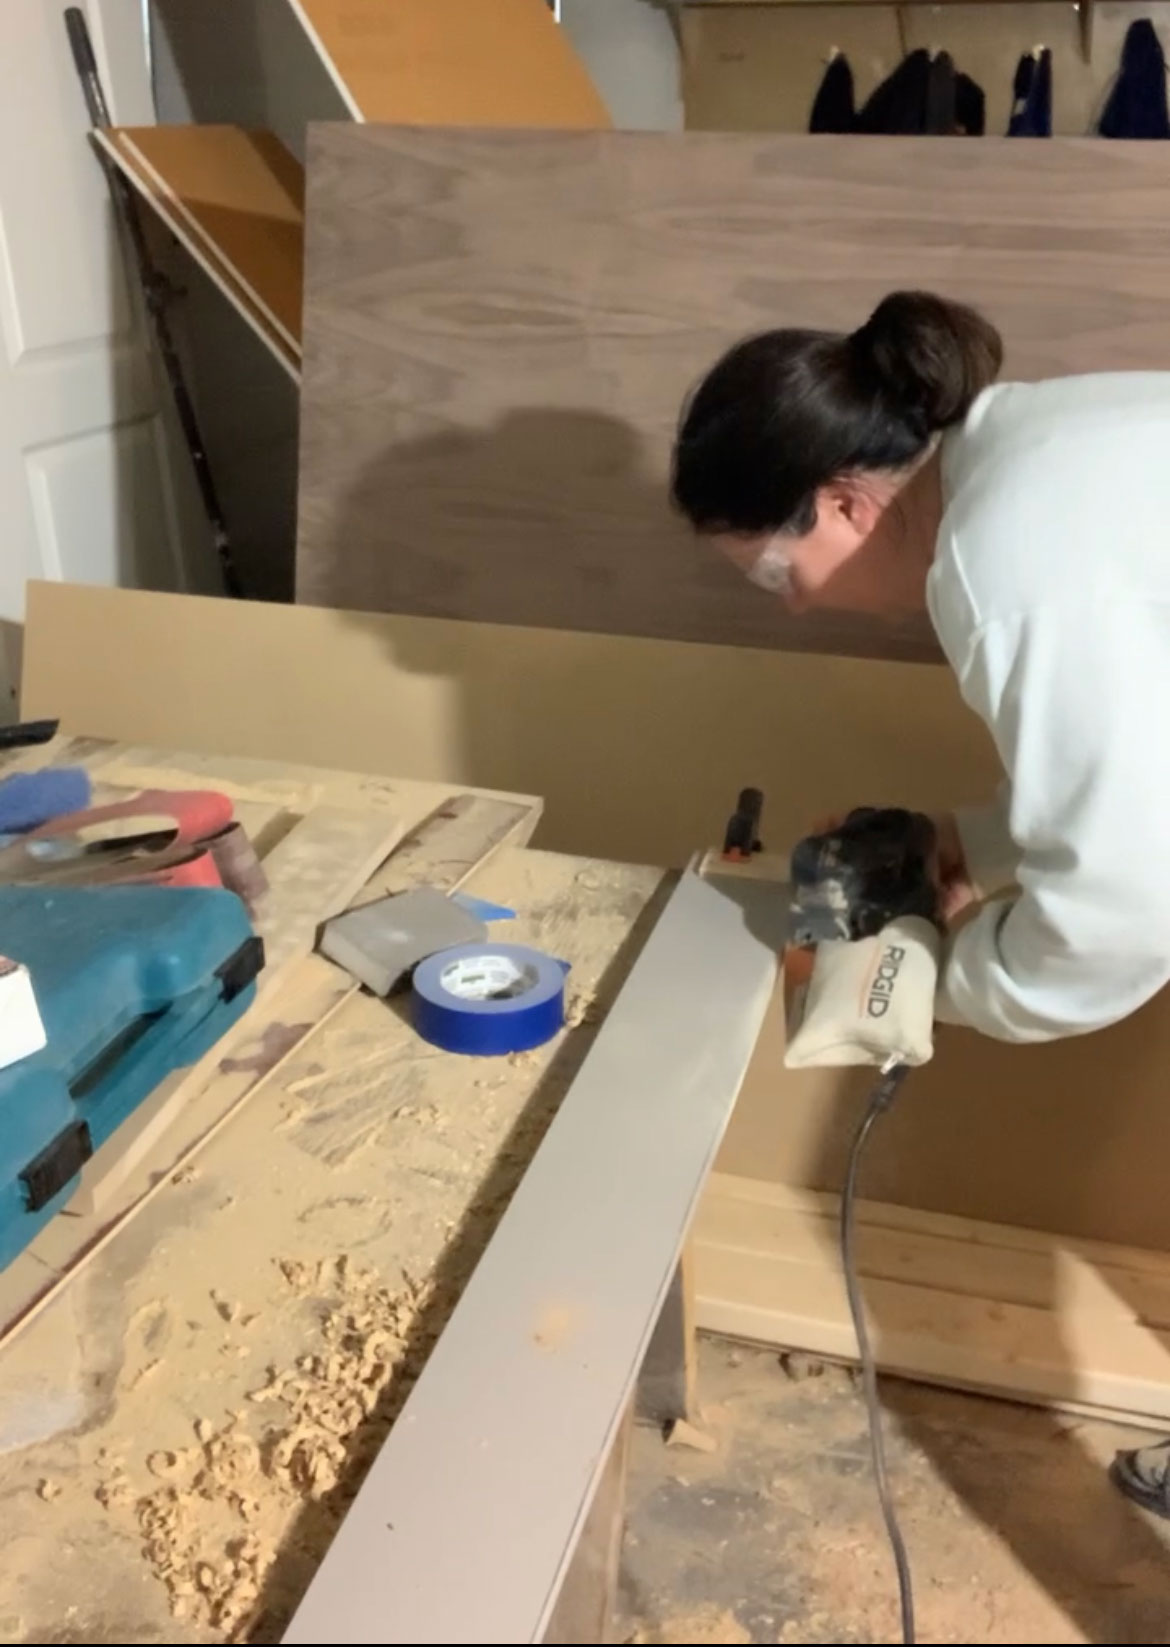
(854, 880)
(846, 884)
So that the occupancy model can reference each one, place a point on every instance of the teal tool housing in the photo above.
(132, 983)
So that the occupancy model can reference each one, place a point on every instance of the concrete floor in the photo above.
(1014, 1532)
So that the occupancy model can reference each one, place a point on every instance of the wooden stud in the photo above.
(585, 1607)
(1076, 1325)
(667, 1383)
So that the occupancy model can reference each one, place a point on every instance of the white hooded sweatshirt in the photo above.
(1050, 593)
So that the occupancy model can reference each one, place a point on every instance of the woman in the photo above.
(885, 472)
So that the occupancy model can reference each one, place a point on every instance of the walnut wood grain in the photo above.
(500, 328)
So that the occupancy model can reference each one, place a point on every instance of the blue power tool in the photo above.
(132, 983)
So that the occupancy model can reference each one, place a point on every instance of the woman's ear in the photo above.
(851, 506)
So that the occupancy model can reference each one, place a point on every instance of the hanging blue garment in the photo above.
(1136, 106)
(1032, 100)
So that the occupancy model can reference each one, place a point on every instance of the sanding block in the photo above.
(380, 943)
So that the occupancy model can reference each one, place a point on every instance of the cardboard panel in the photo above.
(500, 328)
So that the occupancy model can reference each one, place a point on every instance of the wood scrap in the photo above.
(681, 1434)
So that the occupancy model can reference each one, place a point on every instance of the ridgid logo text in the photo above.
(881, 986)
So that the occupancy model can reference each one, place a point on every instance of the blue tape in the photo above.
(481, 909)
(486, 999)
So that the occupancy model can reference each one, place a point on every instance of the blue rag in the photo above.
(30, 799)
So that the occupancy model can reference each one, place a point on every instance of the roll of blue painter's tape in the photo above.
(486, 998)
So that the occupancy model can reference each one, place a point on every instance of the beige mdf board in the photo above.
(638, 746)
(443, 62)
(754, 65)
(234, 200)
(1066, 1138)
(757, 67)
(500, 329)
(986, 40)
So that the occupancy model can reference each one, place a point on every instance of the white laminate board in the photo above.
(465, 1525)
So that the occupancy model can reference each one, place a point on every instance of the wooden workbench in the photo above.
(316, 1247)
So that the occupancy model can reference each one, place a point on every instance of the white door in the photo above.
(85, 486)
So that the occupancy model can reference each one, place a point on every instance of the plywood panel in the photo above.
(207, 255)
(242, 194)
(500, 328)
(452, 62)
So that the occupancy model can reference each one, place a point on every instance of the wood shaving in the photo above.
(299, 1276)
(226, 1308)
(682, 1434)
(114, 1493)
(581, 1008)
(705, 1625)
(224, 1507)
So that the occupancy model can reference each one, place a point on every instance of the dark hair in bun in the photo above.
(784, 413)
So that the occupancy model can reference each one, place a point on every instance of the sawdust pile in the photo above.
(283, 1471)
(706, 1625)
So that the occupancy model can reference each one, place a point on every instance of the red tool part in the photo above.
(196, 813)
(186, 866)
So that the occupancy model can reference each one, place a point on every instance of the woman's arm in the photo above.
(1078, 700)
(991, 857)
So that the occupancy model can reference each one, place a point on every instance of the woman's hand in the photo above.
(957, 891)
